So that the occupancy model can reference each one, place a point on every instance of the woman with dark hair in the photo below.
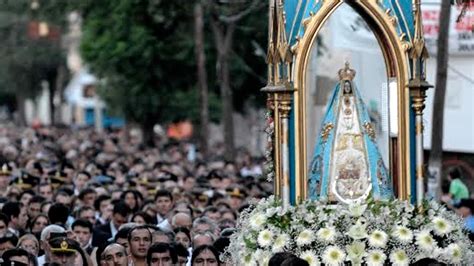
(131, 198)
(182, 236)
(38, 224)
(205, 255)
(142, 218)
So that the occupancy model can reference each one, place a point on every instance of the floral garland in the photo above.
(269, 163)
(376, 233)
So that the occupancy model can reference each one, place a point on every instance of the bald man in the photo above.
(114, 255)
(182, 220)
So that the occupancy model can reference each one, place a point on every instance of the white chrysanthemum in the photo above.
(376, 258)
(441, 226)
(256, 221)
(356, 252)
(265, 238)
(305, 238)
(281, 241)
(311, 258)
(454, 253)
(402, 234)
(333, 256)
(327, 234)
(358, 231)
(378, 239)
(399, 258)
(425, 241)
(248, 260)
(356, 210)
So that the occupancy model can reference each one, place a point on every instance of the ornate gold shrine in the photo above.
(293, 29)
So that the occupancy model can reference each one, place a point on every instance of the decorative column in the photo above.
(280, 97)
(418, 95)
(418, 86)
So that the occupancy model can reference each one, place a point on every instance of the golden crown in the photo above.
(346, 73)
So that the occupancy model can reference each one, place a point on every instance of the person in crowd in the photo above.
(82, 230)
(161, 254)
(49, 232)
(16, 256)
(103, 209)
(120, 215)
(183, 236)
(201, 239)
(80, 181)
(58, 214)
(4, 221)
(164, 204)
(294, 261)
(17, 217)
(86, 213)
(183, 255)
(64, 251)
(7, 242)
(465, 209)
(181, 219)
(142, 218)
(29, 243)
(139, 241)
(278, 258)
(45, 190)
(115, 255)
(38, 224)
(34, 206)
(205, 256)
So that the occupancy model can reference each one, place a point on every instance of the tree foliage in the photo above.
(28, 57)
(144, 52)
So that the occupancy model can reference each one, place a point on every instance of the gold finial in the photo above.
(346, 73)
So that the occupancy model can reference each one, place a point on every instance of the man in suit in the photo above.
(120, 215)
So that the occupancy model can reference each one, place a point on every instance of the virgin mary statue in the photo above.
(347, 165)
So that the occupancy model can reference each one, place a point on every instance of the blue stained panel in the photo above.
(291, 144)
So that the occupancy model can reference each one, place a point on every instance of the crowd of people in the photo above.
(77, 197)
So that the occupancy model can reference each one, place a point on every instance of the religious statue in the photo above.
(347, 166)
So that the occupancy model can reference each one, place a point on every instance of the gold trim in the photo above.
(397, 66)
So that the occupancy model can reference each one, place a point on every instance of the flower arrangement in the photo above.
(375, 233)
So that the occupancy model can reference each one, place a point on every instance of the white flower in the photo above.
(257, 221)
(310, 257)
(425, 241)
(327, 234)
(305, 237)
(265, 238)
(248, 260)
(355, 252)
(333, 256)
(376, 258)
(356, 210)
(402, 234)
(441, 226)
(378, 239)
(399, 258)
(454, 252)
(358, 231)
(281, 241)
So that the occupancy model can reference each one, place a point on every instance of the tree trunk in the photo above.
(20, 105)
(56, 106)
(202, 77)
(436, 154)
(223, 35)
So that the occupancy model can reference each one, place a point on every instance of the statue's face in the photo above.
(347, 87)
